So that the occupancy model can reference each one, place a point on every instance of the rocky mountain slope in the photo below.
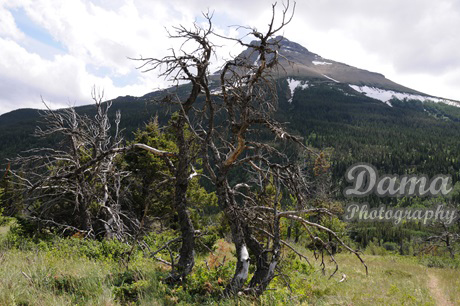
(302, 67)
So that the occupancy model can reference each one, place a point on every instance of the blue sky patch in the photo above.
(35, 31)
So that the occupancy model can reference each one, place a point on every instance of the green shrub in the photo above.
(128, 286)
(391, 246)
(15, 238)
(374, 249)
(4, 220)
(108, 250)
(206, 243)
(440, 262)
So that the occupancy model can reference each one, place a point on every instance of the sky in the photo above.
(57, 51)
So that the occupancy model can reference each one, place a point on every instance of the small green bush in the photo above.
(206, 243)
(4, 220)
(374, 249)
(391, 246)
(128, 286)
(440, 262)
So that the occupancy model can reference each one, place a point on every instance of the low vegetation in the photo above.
(75, 271)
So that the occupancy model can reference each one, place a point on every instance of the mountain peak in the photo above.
(290, 46)
(298, 61)
(285, 45)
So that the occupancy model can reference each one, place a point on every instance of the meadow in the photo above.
(75, 271)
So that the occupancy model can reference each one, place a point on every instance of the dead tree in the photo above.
(247, 99)
(227, 123)
(446, 237)
(193, 67)
(77, 186)
(245, 104)
(263, 215)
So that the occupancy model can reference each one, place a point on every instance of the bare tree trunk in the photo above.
(227, 204)
(262, 262)
(83, 213)
(265, 271)
(85, 218)
(242, 266)
(450, 248)
(289, 230)
(187, 250)
(186, 253)
(265, 265)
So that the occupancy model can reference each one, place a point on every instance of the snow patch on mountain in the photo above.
(330, 78)
(256, 61)
(216, 91)
(294, 84)
(289, 49)
(445, 101)
(386, 95)
(320, 63)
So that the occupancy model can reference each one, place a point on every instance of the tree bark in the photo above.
(450, 248)
(228, 205)
(265, 264)
(242, 266)
(187, 250)
(262, 262)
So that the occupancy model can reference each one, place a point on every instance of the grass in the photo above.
(34, 278)
(450, 282)
(392, 280)
(56, 276)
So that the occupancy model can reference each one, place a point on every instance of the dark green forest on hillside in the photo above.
(410, 137)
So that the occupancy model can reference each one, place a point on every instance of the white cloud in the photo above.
(8, 27)
(92, 37)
